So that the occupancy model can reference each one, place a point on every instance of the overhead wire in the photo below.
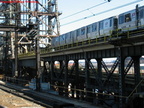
(102, 12)
(83, 10)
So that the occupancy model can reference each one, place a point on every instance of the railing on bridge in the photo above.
(118, 35)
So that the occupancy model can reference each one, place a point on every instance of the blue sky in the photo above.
(69, 7)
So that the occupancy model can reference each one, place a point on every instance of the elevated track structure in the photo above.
(109, 85)
(24, 24)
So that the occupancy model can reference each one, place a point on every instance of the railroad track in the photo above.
(22, 95)
(44, 100)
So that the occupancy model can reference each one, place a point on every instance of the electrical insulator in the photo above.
(108, 0)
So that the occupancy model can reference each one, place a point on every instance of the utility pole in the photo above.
(57, 17)
(17, 21)
(53, 8)
(50, 18)
(37, 51)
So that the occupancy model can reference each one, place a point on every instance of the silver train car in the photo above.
(127, 21)
(131, 20)
(92, 31)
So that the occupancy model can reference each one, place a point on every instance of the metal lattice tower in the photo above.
(22, 21)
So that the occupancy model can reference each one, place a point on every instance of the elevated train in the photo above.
(127, 21)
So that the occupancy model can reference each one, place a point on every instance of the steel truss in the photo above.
(21, 22)
(100, 85)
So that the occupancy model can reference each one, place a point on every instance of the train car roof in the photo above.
(141, 7)
(108, 18)
(127, 12)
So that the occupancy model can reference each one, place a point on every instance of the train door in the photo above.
(106, 27)
(92, 31)
(101, 26)
(82, 35)
(77, 35)
(88, 32)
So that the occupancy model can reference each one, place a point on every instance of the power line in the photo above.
(102, 12)
(83, 10)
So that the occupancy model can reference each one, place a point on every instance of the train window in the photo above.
(121, 19)
(107, 23)
(127, 17)
(71, 34)
(88, 29)
(82, 31)
(94, 27)
(141, 13)
(66, 35)
(101, 25)
(110, 22)
(78, 32)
